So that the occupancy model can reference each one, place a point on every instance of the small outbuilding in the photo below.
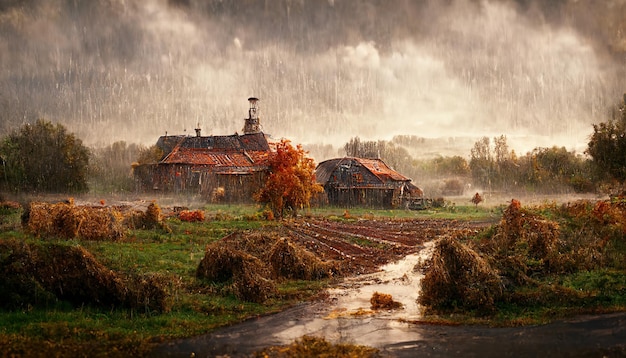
(351, 182)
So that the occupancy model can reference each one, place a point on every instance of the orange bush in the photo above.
(191, 215)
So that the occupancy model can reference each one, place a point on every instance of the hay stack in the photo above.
(37, 275)
(290, 261)
(57, 271)
(252, 259)
(153, 292)
(524, 244)
(248, 274)
(250, 285)
(18, 286)
(219, 263)
(52, 220)
(256, 243)
(150, 219)
(522, 228)
(73, 274)
(383, 301)
(64, 220)
(459, 277)
(99, 224)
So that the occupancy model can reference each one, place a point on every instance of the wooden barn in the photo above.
(354, 182)
(228, 168)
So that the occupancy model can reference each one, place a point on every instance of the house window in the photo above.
(358, 177)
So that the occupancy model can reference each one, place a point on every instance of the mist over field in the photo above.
(540, 72)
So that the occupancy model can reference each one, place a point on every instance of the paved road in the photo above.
(585, 336)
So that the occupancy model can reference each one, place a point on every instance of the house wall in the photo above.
(231, 188)
(380, 198)
(228, 187)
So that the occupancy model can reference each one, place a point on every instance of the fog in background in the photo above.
(540, 72)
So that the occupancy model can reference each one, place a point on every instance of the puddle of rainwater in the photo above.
(398, 279)
(347, 315)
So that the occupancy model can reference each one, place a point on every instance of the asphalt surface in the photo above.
(584, 336)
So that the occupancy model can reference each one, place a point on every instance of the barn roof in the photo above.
(248, 142)
(196, 156)
(377, 167)
(240, 153)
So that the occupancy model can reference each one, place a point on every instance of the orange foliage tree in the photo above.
(291, 182)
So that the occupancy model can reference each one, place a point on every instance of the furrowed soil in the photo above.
(363, 246)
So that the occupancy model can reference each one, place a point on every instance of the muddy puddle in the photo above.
(399, 279)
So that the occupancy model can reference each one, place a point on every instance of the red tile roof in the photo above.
(216, 158)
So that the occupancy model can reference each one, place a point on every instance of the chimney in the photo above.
(252, 124)
(198, 130)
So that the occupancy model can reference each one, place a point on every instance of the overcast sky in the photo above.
(325, 71)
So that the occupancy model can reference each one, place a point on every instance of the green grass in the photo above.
(233, 211)
(178, 252)
(246, 214)
(467, 212)
(606, 285)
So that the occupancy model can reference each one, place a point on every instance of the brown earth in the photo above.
(362, 246)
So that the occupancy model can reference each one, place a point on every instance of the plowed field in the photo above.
(364, 245)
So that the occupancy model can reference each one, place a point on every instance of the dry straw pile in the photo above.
(294, 262)
(40, 274)
(524, 244)
(222, 263)
(315, 347)
(65, 220)
(384, 301)
(459, 277)
(251, 262)
(152, 218)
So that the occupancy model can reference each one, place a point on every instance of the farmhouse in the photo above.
(365, 182)
(228, 168)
